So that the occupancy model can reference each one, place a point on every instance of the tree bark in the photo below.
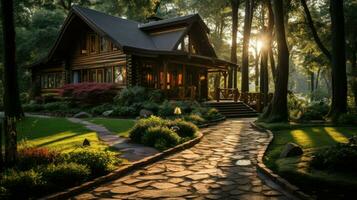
(270, 42)
(354, 76)
(313, 30)
(339, 77)
(235, 6)
(245, 52)
(257, 72)
(279, 109)
(12, 105)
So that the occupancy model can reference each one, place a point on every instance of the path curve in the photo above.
(128, 150)
(221, 166)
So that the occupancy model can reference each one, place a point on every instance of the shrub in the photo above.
(65, 174)
(160, 137)
(89, 93)
(131, 95)
(347, 118)
(153, 107)
(125, 111)
(56, 106)
(156, 96)
(22, 184)
(341, 157)
(316, 111)
(142, 125)
(184, 129)
(98, 110)
(32, 107)
(99, 162)
(212, 114)
(194, 118)
(166, 109)
(24, 97)
(34, 156)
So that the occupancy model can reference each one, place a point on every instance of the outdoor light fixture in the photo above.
(202, 78)
(177, 111)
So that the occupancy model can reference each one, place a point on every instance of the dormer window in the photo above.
(93, 43)
(104, 44)
(83, 47)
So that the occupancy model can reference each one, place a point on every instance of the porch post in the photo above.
(165, 77)
(225, 79)
(184, 80)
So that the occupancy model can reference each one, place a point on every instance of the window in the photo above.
(93, 43)
(104, 44)
(76, 77)
(108, 75)
(51, 80)
(100, 75)
(92, 75)
(120, 74)
(83, 45)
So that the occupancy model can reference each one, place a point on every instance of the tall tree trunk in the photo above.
(354, 76)
(313, 30)
(235, 6)
(339, 77)
(12, 105)
(278, 109)
(270, 37)
(245, 52)
(264, 77)
(257, 72)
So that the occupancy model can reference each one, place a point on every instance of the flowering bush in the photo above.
(34, 156)
(89, 93)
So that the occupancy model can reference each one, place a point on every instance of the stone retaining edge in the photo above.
(262, 168)
(124, 170)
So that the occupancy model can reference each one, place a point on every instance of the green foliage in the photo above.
(184, 128)
(125, 111)
(131, 95)
(166, 109)
(160, 137)
(212, 114)
(98, 110)
(152, 106)
(316, 111)
(341, 157)
(22, 184)
(99, 162)
(194, 118)
(56, 106)
(32, 107)
(347, 119)
(142, 125)
(65, 175)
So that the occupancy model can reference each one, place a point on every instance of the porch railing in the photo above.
(254, 99)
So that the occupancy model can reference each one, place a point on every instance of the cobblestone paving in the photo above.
(221, 166)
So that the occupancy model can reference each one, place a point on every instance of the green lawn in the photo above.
(297, 170)
(56, 133)
(120, 127)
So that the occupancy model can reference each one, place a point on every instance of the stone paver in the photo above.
(129, 151)
(221, 166)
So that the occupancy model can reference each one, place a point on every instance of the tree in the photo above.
(338, 65)
(12, 105)
(246, 37)
(313, 30)
(278, 109)
(235, 6)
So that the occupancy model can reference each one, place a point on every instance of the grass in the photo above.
(120, 127)
(297, 170)
(55, 133)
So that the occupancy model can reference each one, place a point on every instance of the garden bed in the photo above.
(319, 183)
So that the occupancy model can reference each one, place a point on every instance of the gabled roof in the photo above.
(158, 37)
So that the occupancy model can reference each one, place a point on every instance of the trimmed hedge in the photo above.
(160, 137)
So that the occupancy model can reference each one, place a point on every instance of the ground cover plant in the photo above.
(162, 133)
(316, 171)
(48, 171)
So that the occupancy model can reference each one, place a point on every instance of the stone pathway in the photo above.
(221, 166)
(129, 151)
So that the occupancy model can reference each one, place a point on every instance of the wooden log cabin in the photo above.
(174, 54)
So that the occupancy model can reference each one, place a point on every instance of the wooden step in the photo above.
(233, 109)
